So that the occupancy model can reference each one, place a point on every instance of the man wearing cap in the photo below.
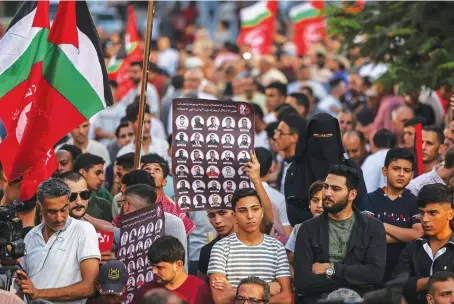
(286, 137)
(111, 285)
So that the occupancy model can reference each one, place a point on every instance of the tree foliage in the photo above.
(415, 38)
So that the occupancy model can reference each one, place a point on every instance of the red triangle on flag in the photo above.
(64, 27)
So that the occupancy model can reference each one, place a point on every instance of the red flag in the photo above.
(309, 25)
(353, 7)
(129, 52)
(258, 26)
(418, 150)
(39, 173)
(45, 92)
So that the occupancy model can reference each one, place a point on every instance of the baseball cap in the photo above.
(112, 278)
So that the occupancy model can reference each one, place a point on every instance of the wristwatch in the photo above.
(330, 271)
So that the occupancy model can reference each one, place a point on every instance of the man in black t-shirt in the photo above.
(395, 206)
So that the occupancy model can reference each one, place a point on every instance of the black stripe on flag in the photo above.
(86, 25)
(26, 8)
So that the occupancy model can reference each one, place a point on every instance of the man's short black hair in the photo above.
(271, 128)
(143, 191)
(72, 176)
(279, 86)
(138, 177)
(126, 161)
(334, 83)
(438, 131)
(154, 158)
(309, 89)
(166, 249)
(434, 194)
(177, 82)
(132, 111)
(398, 153)
(351, 175)
(137, 63)
(260, 282)
(122, 125)
(384, 139)
(301, 100)
(415, 120)
(242, 193)
(258, 110)
(73, 150)
(284, 110)
(449, 158)
(87, 161)
(439, 276)
(265, 158)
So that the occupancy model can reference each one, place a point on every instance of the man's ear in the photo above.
(82, 172)
(384, 171)
(352, 194)
(164, 183)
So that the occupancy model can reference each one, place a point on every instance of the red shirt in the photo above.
(193, 290)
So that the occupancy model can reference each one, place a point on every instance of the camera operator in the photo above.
(62, 253)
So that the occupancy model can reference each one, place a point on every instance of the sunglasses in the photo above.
(84, 195)
(126, 135)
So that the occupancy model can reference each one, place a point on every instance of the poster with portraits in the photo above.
(138, 231)
(211, 144)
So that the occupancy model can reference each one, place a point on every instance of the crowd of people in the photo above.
(337, 211)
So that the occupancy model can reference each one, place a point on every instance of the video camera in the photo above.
(11, 243)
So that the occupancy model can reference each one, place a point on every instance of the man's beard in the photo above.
(338, 207)
(161, 282)
(77, 216)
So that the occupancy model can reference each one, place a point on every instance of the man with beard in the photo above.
(135, 75)
(80, 199)
(66, 155)
(350, 248)
(167, 259)
(182, 186)
(197, 123)
(228, 140)
(244, 141)
(395, 206)
(213, 187)
(212, 140)
(180, 140)
(433, 251)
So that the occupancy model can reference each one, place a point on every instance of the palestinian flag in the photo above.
(52, 81)
(309, 25)
(130, 51)
(258, 26)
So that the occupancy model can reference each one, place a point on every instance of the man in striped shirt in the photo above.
(248, 252)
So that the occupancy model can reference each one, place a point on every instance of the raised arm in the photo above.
(252, 168)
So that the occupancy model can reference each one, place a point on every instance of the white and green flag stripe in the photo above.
(303, 11)
(254, 14)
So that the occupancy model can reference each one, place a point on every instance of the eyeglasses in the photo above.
(280, 133)
(242, 300)
(84, 195)
(126, 135)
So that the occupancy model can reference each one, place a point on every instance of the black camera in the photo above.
(11, 243)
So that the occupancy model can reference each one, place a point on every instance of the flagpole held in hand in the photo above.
(144, 82)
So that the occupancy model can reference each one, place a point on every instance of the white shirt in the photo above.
(56, 264)
(269, 118)
(278, 200)
(157, 129)
(373, 176)
(95, 148)
(109, 119)
(327, 103)
(158, 146)
(168, 60)
(261, 140)
(151, 94)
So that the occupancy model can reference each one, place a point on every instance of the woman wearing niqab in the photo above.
(321, 147)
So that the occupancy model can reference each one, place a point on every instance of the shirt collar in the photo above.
(39, 228)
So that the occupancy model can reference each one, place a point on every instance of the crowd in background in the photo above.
(341, 205)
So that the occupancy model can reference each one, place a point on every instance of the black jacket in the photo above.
(414, 263)
(362, 269)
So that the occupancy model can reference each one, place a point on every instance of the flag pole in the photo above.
(146, 59)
